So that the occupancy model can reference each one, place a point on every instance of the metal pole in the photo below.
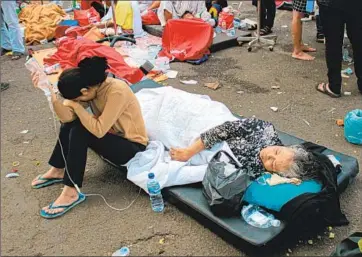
(114, 17)
(259, 20)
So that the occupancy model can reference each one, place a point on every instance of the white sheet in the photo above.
(175, 118)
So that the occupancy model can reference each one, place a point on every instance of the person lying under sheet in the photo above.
(256, 145)
(188, 15)
(176, 9)
(116, 131)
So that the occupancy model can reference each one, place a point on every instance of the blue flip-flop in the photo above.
(47, 182)
(44, 214)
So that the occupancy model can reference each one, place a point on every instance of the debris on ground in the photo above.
(16, 163)
(331, 235)
(37, 163)
(171, 74)
(279, 93)
(332, 110)
(12, 175)
(274, 109)
(24, 131)
(275, 87)
(213, 85)
(310, 242)
(319, 237)
(347, 93)
(189, 82)
(330, 228)
(290, 250)
(162, 241)
(240, 92)
(306, 122)
(340, 122)
(347, 71)
(284, 26)
(124, 251)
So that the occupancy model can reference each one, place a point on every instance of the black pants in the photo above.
(268, 11)
(75, 140)
(334, 21)
(319, 26)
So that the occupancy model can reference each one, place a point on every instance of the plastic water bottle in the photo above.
(154, 190)
(124, 251)
(231, 32)
(257, 217)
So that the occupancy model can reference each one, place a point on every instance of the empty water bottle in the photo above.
(154, 190)
(257, 217)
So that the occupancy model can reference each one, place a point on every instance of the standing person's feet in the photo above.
(4, 51)
(320, 38)
(302, 56)
(52, 176)
(265, 31)
(324, 89)
(16, 56)
(4, 86)
(308, 49)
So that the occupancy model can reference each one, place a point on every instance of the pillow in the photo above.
(274, 197)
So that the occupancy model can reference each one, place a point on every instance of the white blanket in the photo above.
(175, 118)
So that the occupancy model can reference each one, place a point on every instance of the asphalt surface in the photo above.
(94, 229)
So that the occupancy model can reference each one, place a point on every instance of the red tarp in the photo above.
(71, 51)
(186, 39)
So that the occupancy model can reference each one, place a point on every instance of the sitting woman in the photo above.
(256, 145)
(116, 131)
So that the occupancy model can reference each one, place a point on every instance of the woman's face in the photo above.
(277, 158)
(88, 94)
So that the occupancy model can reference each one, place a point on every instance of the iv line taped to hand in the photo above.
(33, 66)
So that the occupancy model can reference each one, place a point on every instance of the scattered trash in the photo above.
(332, 110)
(171, 74)
(330, 228)
(317, 141)
(285, 26)
(24, 131)
(290, 250)
(310, 242)
(346, 56)
(213, 85)
(26, 142)
(319, 237)
(124, 251)
(287, 254)
(274, 109)
(340, 122)
(37, 163)
(279, 93)
(347, 71)
(347, 93)
(344, 76)
(331, 235)
(16, 163)
(12, 175)
(275, 87)
(160, 78)
(188, 82)
(240, 92)
(306, 122)
(162, 241)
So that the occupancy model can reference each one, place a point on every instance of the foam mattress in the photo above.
(220, 42)
(235, 230)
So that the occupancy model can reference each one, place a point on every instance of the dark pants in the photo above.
(268, 11)
(334, 21)
(75, 140)
(319, 26)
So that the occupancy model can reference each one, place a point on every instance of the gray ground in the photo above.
(93, 228)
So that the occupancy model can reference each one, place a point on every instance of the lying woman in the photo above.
(116, 131)
(256, 145)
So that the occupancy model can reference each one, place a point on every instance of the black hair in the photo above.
(187, 12)
(89, 73)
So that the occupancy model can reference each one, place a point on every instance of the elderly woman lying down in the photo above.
(256, 145)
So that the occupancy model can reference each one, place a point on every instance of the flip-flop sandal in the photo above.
(265, 31)
(325, 91)
(47, 182)
(44, 214)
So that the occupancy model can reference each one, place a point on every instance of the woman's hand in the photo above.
(70, 103)
(35, 79)
(180, 154)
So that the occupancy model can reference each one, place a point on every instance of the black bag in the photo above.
(224, 185)
(351, 246)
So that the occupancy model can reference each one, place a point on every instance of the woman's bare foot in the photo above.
(51, 173)
(302, 56)
(67, 197)
(180, 154)
(308, 49)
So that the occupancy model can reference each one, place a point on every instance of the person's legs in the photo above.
(11, 19)
(271, 11)
(333, 27)
(354, 31)
(297, 38)
(5, 39)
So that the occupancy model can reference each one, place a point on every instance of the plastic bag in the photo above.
(150, 18)
(226, 20)
(353, 127)
(86, 17)
(224, 185)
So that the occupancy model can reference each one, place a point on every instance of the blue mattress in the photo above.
(191, 200)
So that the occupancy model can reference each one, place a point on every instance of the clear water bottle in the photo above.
(154, 190)
(257, 217)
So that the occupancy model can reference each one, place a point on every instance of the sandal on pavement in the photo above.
(47, 182)
(44, 214)
(325, 90)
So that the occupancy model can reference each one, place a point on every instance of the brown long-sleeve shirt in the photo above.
(115, 108)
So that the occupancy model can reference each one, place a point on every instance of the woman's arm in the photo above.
(64, 113)
(183, 155)
(154, 5)
(114, 107)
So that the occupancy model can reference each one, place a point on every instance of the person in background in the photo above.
(299, 49)
(335, 16)
(319, 26)
(268, 11)
(11, 36)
